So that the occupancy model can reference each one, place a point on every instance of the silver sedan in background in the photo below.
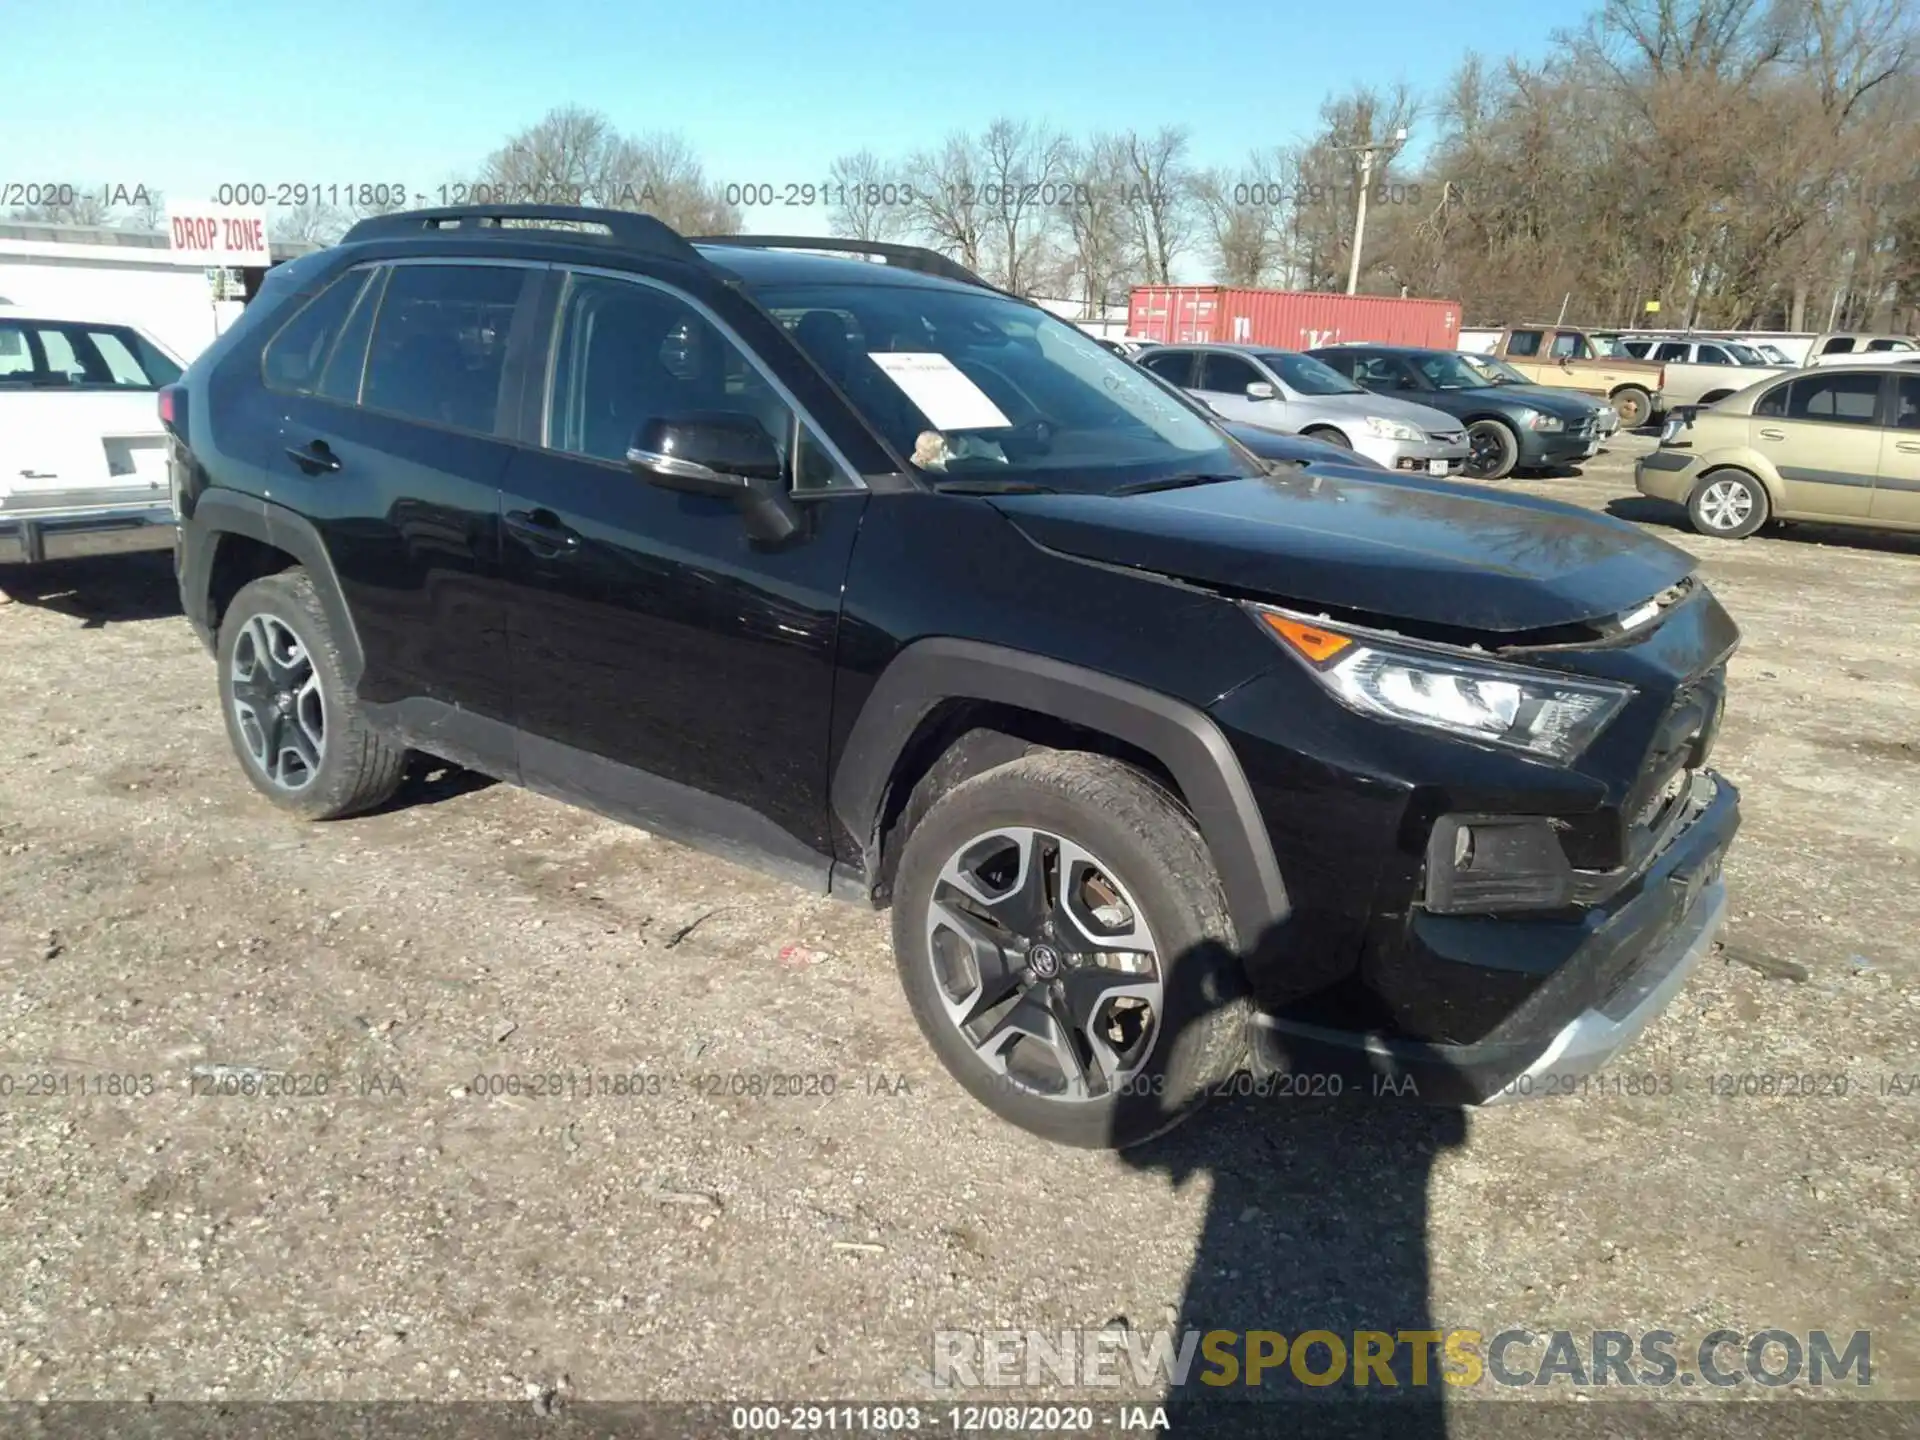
(1293, 393)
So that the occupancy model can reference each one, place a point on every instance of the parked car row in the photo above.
(1406, 408)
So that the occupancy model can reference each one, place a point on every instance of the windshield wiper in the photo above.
(992, 487)
(1173, 482)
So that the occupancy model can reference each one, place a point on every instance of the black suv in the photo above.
(1509, 427)
(1169, 762)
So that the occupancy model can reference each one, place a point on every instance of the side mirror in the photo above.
(1262, 390)
(724, 454)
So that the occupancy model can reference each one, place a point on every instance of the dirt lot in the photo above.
(402, 1236)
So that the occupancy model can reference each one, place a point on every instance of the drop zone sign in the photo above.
(219, 235)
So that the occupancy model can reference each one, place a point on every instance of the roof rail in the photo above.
(905, 257)
(626, 228)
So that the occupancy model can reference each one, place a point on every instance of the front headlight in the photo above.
(1540, 421)
(1385, 429)
(1539, 712)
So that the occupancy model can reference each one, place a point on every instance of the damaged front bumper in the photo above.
(1629, 968)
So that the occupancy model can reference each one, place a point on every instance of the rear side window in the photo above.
(1174, 365)
(341, 379)
(57, 355)
(1839, 345)
(1840, 399)
(1227, 374)
(1774, 402)
(1712, 355)
(440, 343)
(1524, 342)
(296, 357)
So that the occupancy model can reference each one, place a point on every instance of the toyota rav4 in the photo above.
(1171, 762)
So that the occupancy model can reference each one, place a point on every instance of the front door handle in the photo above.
(541, 532)
(314, 457)
(1772, 434)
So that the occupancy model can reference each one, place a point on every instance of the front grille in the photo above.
(1448, 437)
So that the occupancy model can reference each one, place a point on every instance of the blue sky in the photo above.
(188, 95)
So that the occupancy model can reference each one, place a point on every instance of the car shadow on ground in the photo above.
(429, 780)
(108, 589)
(1316, 1221)
(1645, 510)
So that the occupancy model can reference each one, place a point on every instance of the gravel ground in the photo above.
(406, 1235)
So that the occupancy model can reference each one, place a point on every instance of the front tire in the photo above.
(1728, 505)
(293, 720)
(1493, 449)
(1633, 405)
(1064, 945)
(1327, 436)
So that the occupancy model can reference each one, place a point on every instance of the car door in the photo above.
(389, 389)
(1822, 434)
(1896, 494)
(1222, 383)
(1522, 351)
(670, 669)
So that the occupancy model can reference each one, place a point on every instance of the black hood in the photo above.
(1409, 549)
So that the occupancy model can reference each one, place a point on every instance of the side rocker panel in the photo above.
(1181, 737)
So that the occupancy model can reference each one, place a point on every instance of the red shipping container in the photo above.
(1287, 319)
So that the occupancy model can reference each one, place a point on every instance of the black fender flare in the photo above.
(231, 512)
(1178, 735)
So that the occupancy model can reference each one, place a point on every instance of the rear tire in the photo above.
(1728, 505)
(1146, 1059)
(293, 720)
(1633, 405)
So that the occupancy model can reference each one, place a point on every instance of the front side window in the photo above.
(1838, 399)
(1888, 343)
(1305, 375)
(1712, 355)
(1570, 345)
(629, 354)
(439, 345)
(970, 384)
(1839, 345)
(1906, 403)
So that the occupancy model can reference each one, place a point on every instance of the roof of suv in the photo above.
(785, 267)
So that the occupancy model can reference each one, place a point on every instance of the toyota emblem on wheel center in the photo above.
(1045, 961)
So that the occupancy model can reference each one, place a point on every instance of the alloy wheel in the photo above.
(277, 703)
(1045, 964)
(1486, 451)
(1726, 504)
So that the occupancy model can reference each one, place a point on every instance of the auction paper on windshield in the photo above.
(948, 399)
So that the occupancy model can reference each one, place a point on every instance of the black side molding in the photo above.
(1181, 737)
(231, 512)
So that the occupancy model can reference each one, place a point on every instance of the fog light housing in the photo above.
(1481, 864)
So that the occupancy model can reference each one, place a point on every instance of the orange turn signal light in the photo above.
(1314, 643)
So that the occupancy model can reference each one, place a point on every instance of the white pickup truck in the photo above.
(83, 454)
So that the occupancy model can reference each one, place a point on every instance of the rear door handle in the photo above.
(1912, 447)
(1771, 434)
(314, 457)
(541, 532)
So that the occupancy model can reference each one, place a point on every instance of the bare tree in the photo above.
(1024, 190)
(1157, 192)
(866, 199)
(949, 199)
(575, 156)
(70, 205)
(314, 223)
(1099, 253)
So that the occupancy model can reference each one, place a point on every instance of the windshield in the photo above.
(1497, 371)
(974, 386)
(1305, 375)
(1449, 372)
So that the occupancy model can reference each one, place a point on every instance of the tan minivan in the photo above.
(1830, 444)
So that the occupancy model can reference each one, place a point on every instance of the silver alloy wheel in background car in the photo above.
(277, 703)
(1726, 504)
(1045, 964)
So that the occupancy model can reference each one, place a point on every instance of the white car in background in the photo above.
(83, 452)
